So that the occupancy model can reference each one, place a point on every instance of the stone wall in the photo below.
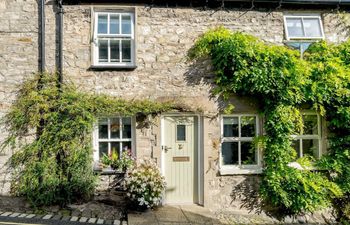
(18, 59)
(163, 37)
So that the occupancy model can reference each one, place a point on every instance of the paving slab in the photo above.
(145, 218)
(30, 216)
(170, 214)
(14, 215)
(74, 218)
(22, 215)
(48, 216)
(100, 221)
(83, 219)
(116, 222)
(6, 214)
(92, 220)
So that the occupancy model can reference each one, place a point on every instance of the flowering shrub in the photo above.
(126, 161)
(144, 184)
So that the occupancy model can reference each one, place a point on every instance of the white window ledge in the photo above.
(240, 171)
(116, 67)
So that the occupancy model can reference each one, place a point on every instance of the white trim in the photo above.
(96, 37)
(302, 16)
(317, 136)
(239, 169)
(96, 140)
(200, 172)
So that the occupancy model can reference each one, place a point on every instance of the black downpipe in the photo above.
(60, 43)
(42, 37)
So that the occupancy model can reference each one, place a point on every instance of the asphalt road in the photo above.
(34, 221)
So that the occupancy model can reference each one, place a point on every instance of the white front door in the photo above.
(180, 151)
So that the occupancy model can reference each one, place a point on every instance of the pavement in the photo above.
(197, 215)
(174, 215)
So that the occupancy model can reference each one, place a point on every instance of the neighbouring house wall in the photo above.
(18, 59)
(163, 38)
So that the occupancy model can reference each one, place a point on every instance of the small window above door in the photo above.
(303, 27)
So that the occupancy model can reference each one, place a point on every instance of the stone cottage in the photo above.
(138, 50)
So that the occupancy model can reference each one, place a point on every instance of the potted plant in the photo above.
(144, 185)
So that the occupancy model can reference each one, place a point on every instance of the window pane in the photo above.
(115, 147)
(310, 124)
(103, 51)
(231, 127)
(126, 146)
(312, 27)
(310, 147)
(248, 126)
(300, 46)
(181, 132)
(294, 27)
(103, 129)
(229, 153)
(296, 146)
(115, 51)
(248, 154)
(114, 24)
(126, 50)
(102, 24)
(126, 122)
(126, 24)
(115, 128)
(103, 148)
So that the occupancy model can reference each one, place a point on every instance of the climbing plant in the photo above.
(285, 84)
(49, 130)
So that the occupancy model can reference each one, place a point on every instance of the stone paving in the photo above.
(196, 215)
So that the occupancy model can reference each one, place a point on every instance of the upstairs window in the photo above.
(303, 27)
(309, 142)
(114, 39)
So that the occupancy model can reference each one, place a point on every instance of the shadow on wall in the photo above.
(200, 72)
(247, 192)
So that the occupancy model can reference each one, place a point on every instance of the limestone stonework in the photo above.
(163, 38)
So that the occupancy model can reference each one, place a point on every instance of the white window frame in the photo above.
(311, 136)
(302, 17)
(240, 169)
(97, 140)
(97, 37)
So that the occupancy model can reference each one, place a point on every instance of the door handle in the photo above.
(166, 148)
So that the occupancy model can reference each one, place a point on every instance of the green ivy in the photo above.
(56, 167)
(285, 83)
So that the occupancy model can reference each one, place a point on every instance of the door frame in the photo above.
(199, 171)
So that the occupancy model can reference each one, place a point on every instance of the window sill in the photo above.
(112, 67)
(240, 171)
(297, 166)
(107, 171)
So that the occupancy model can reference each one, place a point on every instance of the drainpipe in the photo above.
(60, 42)
(42, 37)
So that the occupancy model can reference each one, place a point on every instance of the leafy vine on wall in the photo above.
(56, 167)
(284, 83)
